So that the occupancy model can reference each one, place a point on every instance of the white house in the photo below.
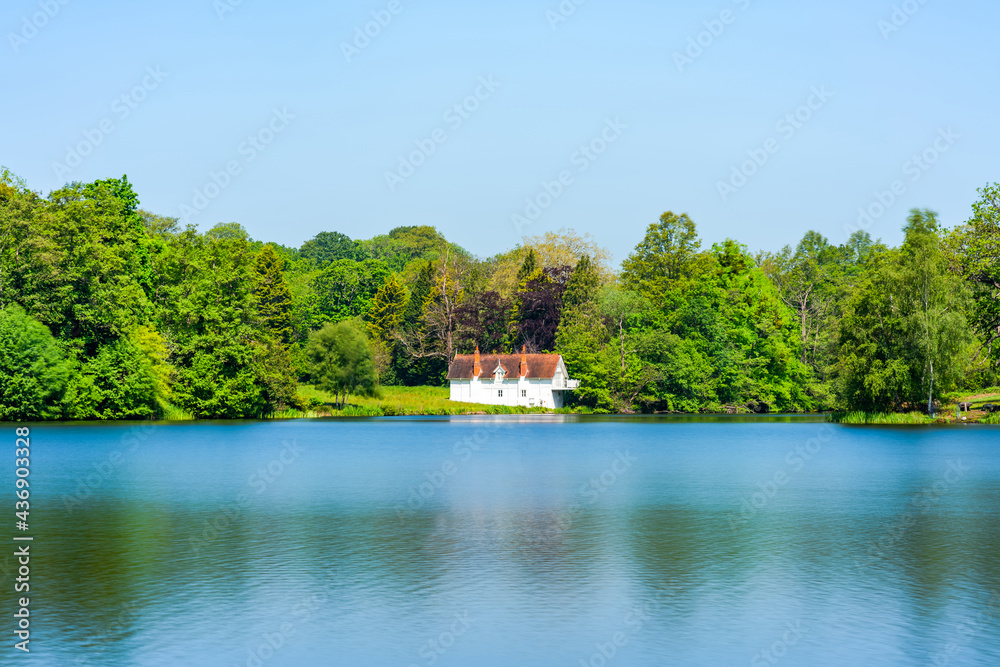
(532, 380)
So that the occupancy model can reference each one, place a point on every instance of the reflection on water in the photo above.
(525, 541)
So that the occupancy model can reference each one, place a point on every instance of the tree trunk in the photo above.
(930, 392)
(804, 330)
(621, 338)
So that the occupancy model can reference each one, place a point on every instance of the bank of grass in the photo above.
(171, 413)
(397, 401)
(946, 414)
(858, 417)
(993, 419)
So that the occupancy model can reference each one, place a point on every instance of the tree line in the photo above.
(108, 311)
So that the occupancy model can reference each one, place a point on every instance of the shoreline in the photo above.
(536, 416)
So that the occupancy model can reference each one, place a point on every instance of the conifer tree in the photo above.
(419, 295)
(582, 286)
(274, 299)
(529, 266)
(387, 310)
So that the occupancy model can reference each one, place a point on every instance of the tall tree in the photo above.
(414, 358)
(388, 307)
(978, 247)
(581, 335)
(82, 261)
(328, 247)
(418, 241)
(383, 320)
(937, 305)
(274, 299)
(441, 313)
(804, 280)
(566, 247)
(582, 287)
(206, 307)
(483, 322)
(529, 265)
(904, 333)
(346, 288)
(664, 255)
(538, 308)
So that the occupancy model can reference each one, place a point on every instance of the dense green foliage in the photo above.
(904, 334)
(110, 312)
(341, 361)
(977, 250)
(33, 368)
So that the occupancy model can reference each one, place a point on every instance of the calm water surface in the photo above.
(475, 542)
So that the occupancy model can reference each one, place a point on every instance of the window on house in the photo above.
(499, 393)
(524, 393)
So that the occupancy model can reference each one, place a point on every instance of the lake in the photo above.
(529, 540)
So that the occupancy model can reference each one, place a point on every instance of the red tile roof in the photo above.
(541, 366)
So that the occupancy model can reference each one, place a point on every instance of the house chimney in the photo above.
(524, 361)
(477, 370)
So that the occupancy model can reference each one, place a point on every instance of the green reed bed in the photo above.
(858, 417)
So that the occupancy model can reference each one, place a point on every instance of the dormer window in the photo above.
(498, 374)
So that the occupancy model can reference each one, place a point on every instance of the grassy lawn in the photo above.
(393, 401)
(413, 401)
(976, 412)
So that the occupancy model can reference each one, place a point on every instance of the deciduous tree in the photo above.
(341, 361)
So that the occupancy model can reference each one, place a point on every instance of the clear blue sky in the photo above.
(556, 87)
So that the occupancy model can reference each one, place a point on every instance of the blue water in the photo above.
(518, 541)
